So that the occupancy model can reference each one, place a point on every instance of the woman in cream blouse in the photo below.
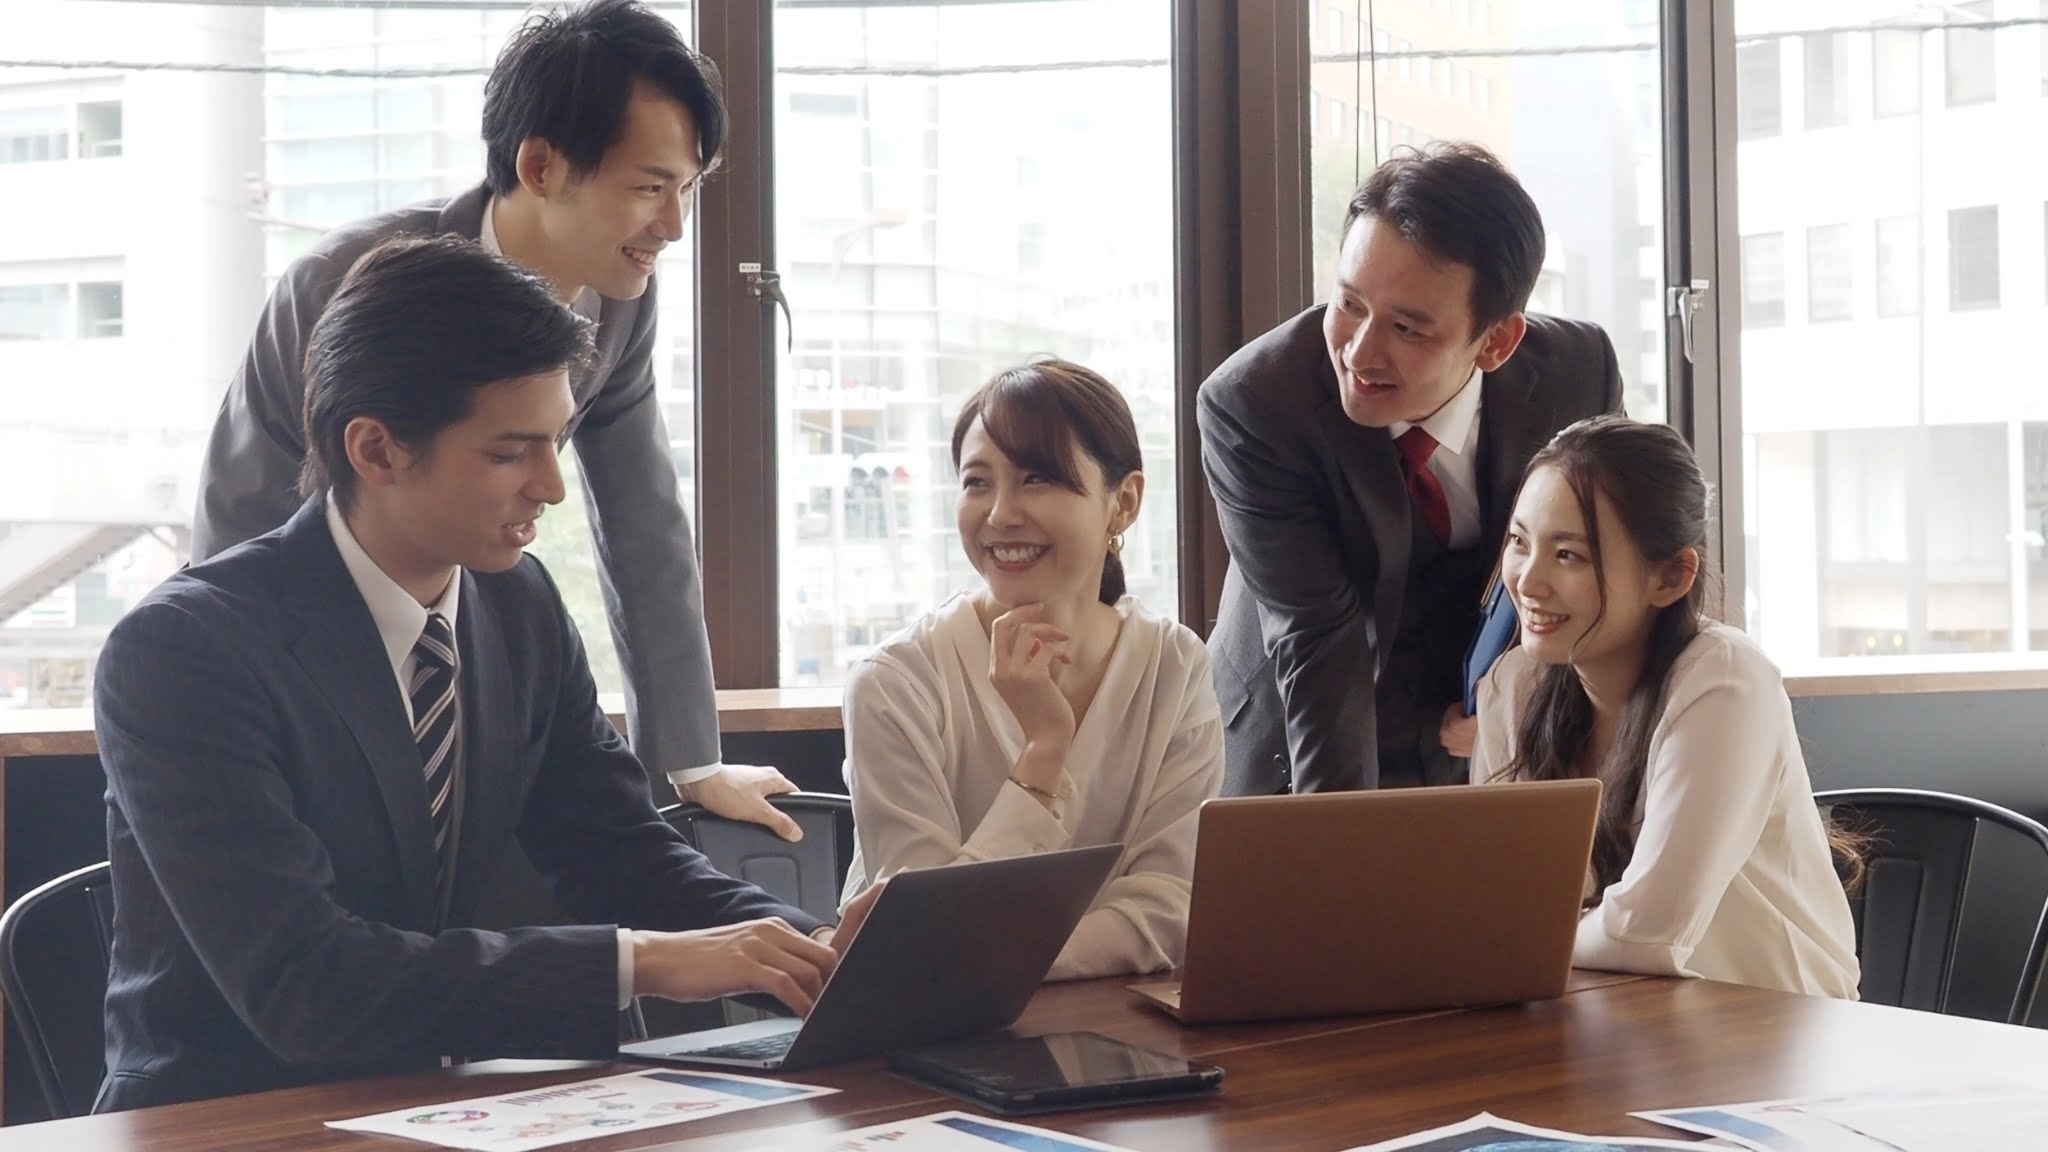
(1045, 709)
(1710, 859)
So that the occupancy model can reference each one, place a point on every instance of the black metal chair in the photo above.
(1922, 854)
(54, 947)
(807, 874)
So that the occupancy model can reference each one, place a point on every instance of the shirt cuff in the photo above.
(683, 777)
(625, 969)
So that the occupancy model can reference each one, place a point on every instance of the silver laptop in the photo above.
(945, 953)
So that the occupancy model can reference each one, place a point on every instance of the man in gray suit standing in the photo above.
(1364, 458)
(598, 124)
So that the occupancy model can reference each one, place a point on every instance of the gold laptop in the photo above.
(1341, 903)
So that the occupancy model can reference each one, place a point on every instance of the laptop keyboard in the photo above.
(766, 1048)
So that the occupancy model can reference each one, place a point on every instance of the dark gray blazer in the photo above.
(646, 556)
(273, 867)
(1316, 516)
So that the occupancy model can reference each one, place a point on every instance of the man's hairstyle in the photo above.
(417, 327)
(567, 75)
(1458, 203)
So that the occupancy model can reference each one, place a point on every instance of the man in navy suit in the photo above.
(320, 745)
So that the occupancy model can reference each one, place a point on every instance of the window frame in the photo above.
(1241, 121)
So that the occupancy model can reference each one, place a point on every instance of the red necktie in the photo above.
(1424, 488)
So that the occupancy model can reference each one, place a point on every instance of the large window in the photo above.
(1574, 109)
(35, 134)
(1830, 273)
(1827, 80)
(1895, 72)
(1898, 265)
(1763, 281)
(244, 171)
(2032, 538)
(998, 190)
(948, 187)
(1970, 54)
(1760, 95)
(1895, 445)
(1973, 257)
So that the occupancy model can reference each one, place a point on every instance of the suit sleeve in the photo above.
(250, 885)
(591, 828)
(248, 483)
(647, 562)
(1316, 622)
(1611, 389)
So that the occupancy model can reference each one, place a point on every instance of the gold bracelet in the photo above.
(1035, 790)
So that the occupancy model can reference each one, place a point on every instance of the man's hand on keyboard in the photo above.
(754, 956)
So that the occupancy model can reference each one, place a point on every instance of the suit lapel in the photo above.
(488, 751)
(341, 652)
(1371, 468)
(1512, 427)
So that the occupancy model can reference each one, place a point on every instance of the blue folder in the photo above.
(1495, 633)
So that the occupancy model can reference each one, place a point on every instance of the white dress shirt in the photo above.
(400, 619)
(1455, 463)
(931, 746)
(1732, 877)
(587, 305)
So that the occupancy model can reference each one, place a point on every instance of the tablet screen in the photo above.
(1061, 1060)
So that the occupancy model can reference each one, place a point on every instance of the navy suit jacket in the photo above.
(273, 865)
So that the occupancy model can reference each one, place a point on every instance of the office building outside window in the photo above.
(946, 249)
(1570, 100)
(1895, 449)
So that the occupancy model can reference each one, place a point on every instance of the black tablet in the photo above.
(1062, 1070)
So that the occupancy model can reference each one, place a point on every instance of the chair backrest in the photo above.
(54, 947)
(1909, 911)
(807, 874)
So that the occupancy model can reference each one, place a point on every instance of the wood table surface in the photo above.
(1613, 1045)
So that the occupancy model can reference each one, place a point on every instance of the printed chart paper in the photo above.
(563, 1113)
(1485, 1133)
(939, 1132)
(1979, 1118)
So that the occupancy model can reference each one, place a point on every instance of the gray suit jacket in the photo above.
(1317, 519)
(646, 555)
(273, 861)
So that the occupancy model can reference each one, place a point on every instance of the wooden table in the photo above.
(1614, 1045)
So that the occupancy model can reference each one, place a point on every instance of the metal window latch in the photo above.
(766, 284)
(1684, 303)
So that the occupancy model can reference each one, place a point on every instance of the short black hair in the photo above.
(419, 325)
(566, 77)
(1457, 202)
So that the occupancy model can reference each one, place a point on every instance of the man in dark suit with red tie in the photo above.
(1364, 457)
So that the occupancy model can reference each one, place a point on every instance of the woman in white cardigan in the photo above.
(1045, 709)
(1710, 859)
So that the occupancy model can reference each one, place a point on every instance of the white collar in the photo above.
(400, 619)
(1455, 425)
(487, 235)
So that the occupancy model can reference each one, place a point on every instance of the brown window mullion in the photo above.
(736, 331)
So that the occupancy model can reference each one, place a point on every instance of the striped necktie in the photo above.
(433, 727)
